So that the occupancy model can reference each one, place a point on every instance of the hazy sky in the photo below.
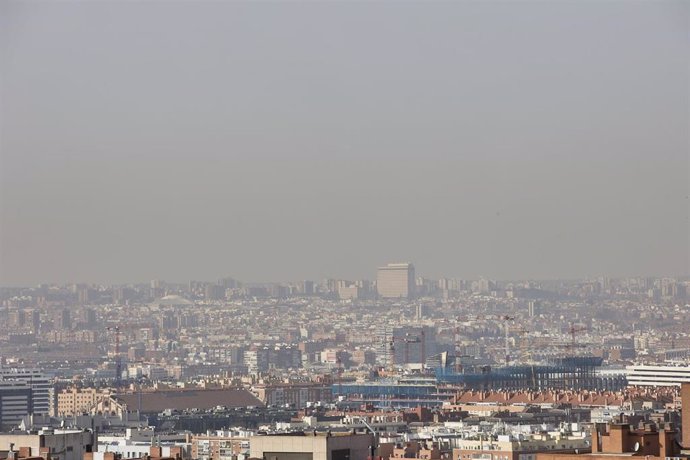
(287, 141)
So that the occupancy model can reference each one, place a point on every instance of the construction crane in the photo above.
(339, 371)
(456, 341)
(506, 328)
(573, 330)
(514, 330)
(118, 358)
(423, 351)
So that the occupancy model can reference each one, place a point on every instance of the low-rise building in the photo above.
(221, 445)
(508, 447)
(316, 446)
(53, 444)
(294, 394)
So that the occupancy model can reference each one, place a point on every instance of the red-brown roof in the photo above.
(157, 401)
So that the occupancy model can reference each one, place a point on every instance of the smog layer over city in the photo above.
(344, 230)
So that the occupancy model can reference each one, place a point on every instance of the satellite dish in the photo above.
(636, 448)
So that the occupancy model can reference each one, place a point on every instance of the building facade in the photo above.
(296, 394)
(74, 401)
(656, 376)
(15, 403)
(42, 389)
(396, 281)
(312, 447)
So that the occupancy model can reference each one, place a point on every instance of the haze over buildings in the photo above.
(288, 141)
(195, 198)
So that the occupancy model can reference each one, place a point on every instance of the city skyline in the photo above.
(373, 278)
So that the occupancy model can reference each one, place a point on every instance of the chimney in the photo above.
(667, 445)
(596, 439)
(618, 437)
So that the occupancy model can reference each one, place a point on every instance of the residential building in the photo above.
(297, 394)
(75, 401)
(220, 445)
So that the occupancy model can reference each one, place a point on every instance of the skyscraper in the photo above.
(396, 281)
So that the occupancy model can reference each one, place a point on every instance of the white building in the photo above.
(644, 375)
(137, 443)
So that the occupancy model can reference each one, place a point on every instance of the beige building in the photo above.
(74, 401)
(396, 281)
(320, 446)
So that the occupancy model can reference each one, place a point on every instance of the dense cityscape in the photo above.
(344, 230)
(400, 365)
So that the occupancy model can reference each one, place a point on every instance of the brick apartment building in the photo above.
(620, 441)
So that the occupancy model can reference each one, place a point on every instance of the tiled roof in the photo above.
(158, 401)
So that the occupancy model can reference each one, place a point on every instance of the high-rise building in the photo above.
(84, 295)
(413, 344)
(15, 402)
(64, 319)
(17, 318)
(227, 283)
(35, 321)
(256, 360)
(307, 287)
(422, 311)
(42, 389)
(396, 281)
(214, 292)
(89, 317)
